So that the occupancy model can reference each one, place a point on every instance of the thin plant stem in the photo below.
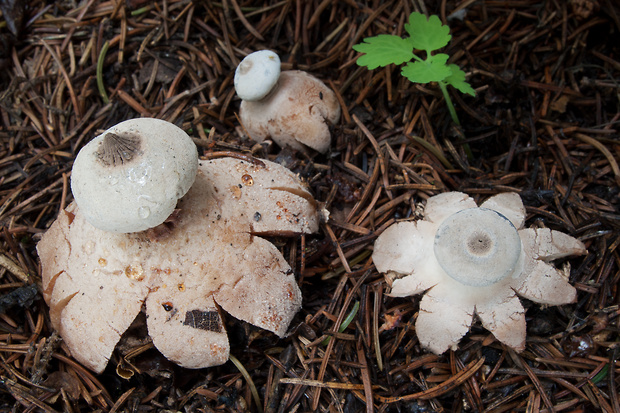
(455, 118)
(248, 378)
(435, 151)
(99, 72)
(446, 96)
(345, 323)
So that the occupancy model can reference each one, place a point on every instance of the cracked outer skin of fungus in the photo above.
(480, 270)
(210, 256)
(297, 113)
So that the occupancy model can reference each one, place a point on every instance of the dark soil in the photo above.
(544, 124)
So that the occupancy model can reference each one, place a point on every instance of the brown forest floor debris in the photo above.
(544, 124)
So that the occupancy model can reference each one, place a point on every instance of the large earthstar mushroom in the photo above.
(208, 255)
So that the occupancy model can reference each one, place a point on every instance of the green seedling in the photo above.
(425, 34)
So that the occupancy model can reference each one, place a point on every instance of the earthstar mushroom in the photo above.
(468, 259)
(295, 109)
(211, 257)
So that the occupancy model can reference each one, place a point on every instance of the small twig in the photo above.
(610, 158)
(441, 389)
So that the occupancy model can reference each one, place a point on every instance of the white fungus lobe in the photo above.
(477, 246)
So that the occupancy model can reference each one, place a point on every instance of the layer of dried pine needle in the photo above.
(544, 124)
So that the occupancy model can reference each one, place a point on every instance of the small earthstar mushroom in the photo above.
(293, 107)
(129, 178)
(474, 260)
(208, 256)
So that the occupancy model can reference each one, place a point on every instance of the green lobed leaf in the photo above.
(457, 80)
(427, 34)
(383, 50)
(433, 69)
